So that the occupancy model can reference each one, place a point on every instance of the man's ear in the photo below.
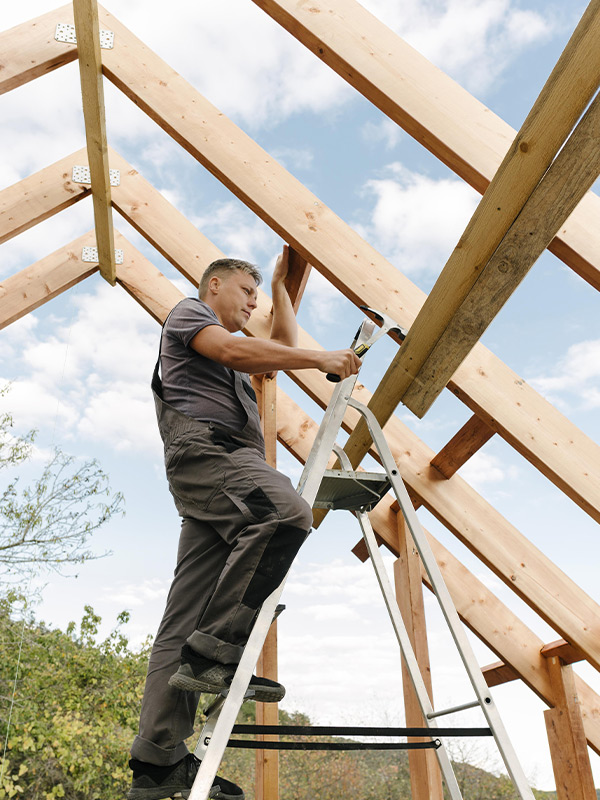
(214, 284)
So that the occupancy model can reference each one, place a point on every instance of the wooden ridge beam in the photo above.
(494, 623)
(499, 672)
(534, 427)
(35, 285)
(29, 50)
(471, 291)
(41, 195)
(92, 91)
(464, 444)
(527, 571)
(435, 110)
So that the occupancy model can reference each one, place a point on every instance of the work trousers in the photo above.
(243, 523)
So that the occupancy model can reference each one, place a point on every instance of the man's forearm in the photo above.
(284, 328)
(257, 356)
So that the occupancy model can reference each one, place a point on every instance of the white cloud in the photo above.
(237, 232)
(473, 40)
(416, 221)
(136, 594)
(386, 132)
(485, 468)
(575, 380)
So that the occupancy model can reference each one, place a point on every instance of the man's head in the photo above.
(229, 287)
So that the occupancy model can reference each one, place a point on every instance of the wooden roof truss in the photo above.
(535, 186)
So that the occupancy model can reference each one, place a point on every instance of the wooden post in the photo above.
(425, 776)
(267, 761)
(568, 746)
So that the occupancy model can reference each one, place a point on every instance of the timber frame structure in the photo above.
(535, 185)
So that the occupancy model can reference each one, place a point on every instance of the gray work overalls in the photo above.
(243, 523)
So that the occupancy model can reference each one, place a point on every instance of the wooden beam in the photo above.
(41, 195)
(469, 439)
(267, 761)
(534, 427)
(29, 50)
(494, 623)
(563, 650)
(566, 736)
(297, 278)
(430, 106)
(92, 91)
(425, 776)
(35, 285)
(476, 282)
(498, 673)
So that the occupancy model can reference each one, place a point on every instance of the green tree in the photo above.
(48, 524)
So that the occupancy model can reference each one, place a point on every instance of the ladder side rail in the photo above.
(407, 649)
(457, 630)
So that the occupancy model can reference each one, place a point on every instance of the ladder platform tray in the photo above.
(351, 490)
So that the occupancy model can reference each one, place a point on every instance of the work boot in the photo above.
(152, 782)
(200, 674)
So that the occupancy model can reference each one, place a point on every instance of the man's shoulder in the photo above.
(191, 308)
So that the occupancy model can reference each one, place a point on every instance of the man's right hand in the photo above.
(340, 362)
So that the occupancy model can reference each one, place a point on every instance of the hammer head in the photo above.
(388, 325)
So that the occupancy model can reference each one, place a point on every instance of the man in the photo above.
(242, 521)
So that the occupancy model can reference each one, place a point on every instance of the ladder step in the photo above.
(351, 490)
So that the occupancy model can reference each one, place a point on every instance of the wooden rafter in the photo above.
(35, 285)
(525, 205)
(427, 103)
(464, 444)
(343, 257)
(43, 194)
(29, 50)
(90, 69)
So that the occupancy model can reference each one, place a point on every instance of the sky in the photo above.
(80, 366)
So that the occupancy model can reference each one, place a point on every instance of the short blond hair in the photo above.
(225, 266)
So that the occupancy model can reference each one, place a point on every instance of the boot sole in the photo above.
(261, 694)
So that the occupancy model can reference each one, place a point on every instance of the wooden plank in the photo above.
(430, 106)
(297, 278)
(455, 504)
(539, 432)
(425, 775)
(566, 736)
(563, 650)
(41, 195)
(92, 92)
(35, 285)
(433, 352)
(498, 673)
(496, 625)
(469, 439)
(29, 50)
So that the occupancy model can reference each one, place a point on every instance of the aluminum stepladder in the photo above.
(357, 491)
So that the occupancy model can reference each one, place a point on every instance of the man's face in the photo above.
(233, 299)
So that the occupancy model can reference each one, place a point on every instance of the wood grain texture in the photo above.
(463, 445)
(35, 285)
(92, 91)
(40, 196)
(30, 50)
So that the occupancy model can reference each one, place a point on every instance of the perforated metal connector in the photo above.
(81, 174)
(66, 33)
(90, 255)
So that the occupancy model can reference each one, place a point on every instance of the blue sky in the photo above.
(81, 365)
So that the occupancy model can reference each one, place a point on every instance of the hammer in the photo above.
(387, 325)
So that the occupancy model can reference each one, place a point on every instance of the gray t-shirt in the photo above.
(193, 384)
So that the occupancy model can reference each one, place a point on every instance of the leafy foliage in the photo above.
(48, 524)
